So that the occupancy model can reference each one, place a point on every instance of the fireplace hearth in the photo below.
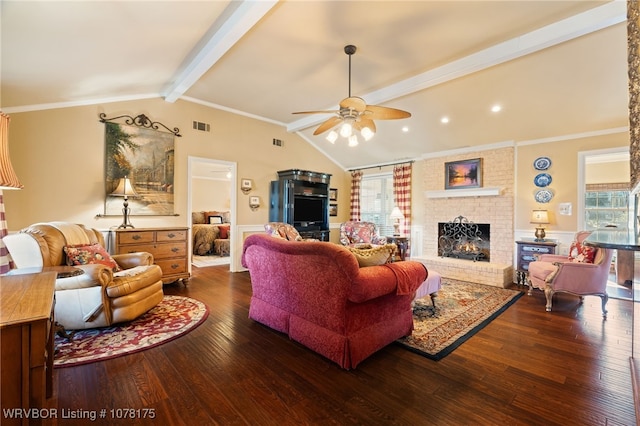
(463, 239)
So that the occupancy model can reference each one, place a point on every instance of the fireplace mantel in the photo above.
(474, 192)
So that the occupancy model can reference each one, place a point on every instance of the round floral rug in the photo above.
(173, 317)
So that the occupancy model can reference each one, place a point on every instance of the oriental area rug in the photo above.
(462, 309)
(173, 317)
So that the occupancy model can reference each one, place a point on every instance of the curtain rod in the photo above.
(382, 165)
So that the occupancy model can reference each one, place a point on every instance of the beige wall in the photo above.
(612, 172)
(564, 173)
(210, 195)
(59, 157)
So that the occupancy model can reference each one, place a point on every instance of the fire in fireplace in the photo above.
(463, 239)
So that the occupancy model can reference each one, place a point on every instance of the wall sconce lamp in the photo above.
(397, 216)
(540, 217)
(254, 203)
(246, 186)
(125, 189)
(8, 177)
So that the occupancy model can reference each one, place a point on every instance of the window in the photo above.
(608, 206)
(376, 201)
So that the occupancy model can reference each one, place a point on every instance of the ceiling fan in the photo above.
(355, 115)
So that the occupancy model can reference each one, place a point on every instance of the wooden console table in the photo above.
(26, 340)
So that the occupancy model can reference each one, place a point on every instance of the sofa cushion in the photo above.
(372, 255)
(82, 254)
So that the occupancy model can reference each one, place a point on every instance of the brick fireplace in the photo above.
(493, 205)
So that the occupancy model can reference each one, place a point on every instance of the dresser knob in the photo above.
(136, 237)
(171, 235)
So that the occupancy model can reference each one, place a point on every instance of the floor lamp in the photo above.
(125, 189)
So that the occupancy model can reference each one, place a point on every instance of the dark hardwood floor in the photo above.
(527, 367)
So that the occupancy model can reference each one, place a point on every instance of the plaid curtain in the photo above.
(356, 179)
(5, 260)
(402, 193)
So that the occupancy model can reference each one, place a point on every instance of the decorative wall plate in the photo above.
(542, 163)
(544, 196)
(542, 180)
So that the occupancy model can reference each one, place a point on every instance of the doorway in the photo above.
(211, 188)
(605, 201)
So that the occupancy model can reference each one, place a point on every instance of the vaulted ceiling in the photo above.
(555, 67)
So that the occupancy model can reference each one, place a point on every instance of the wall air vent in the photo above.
(278, 142)
(203, 127)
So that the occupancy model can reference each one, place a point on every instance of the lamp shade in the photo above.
(539, 216)
(8, 177)
(124, 189)
(396, 213)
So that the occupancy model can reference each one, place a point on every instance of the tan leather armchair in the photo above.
(98, 297)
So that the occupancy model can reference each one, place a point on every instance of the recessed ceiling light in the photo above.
(405, 129)
(496, 108)
(444, 120)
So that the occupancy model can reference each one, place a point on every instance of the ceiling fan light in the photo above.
(332, 136)
(367, 133)
(345, 130)
(353, 140)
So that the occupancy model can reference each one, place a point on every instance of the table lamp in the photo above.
(397, 216)
(125, 189)
(540, 217)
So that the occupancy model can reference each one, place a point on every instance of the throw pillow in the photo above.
(197, 218)
(224, 232)
(579, 253)
(82, 254)
(574, 250)
(376, 255)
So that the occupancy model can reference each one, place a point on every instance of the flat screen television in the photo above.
(311, 210)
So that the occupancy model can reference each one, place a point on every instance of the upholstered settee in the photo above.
(317, 294)
(210, 231)
(110, 290)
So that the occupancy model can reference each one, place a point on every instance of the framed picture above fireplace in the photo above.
(463, 174)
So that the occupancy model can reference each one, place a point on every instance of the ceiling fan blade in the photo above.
(354, 103)
(365, 122)
(315, 112)
(328, 124)
(376, 112)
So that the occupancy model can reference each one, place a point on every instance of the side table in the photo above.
(528, 251)
(402, 243)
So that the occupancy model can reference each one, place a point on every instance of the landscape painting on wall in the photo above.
(146, 157)
(463, 174)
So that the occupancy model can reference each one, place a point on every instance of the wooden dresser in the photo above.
(26, 340)
(167, 245)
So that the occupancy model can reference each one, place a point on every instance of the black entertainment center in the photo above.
(301, 198)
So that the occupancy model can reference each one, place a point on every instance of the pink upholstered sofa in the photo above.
(317, 294)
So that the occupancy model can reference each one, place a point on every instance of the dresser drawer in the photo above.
(172, 235)
(136, 238)
(538, 249)
(160, 251)
(172, 266)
